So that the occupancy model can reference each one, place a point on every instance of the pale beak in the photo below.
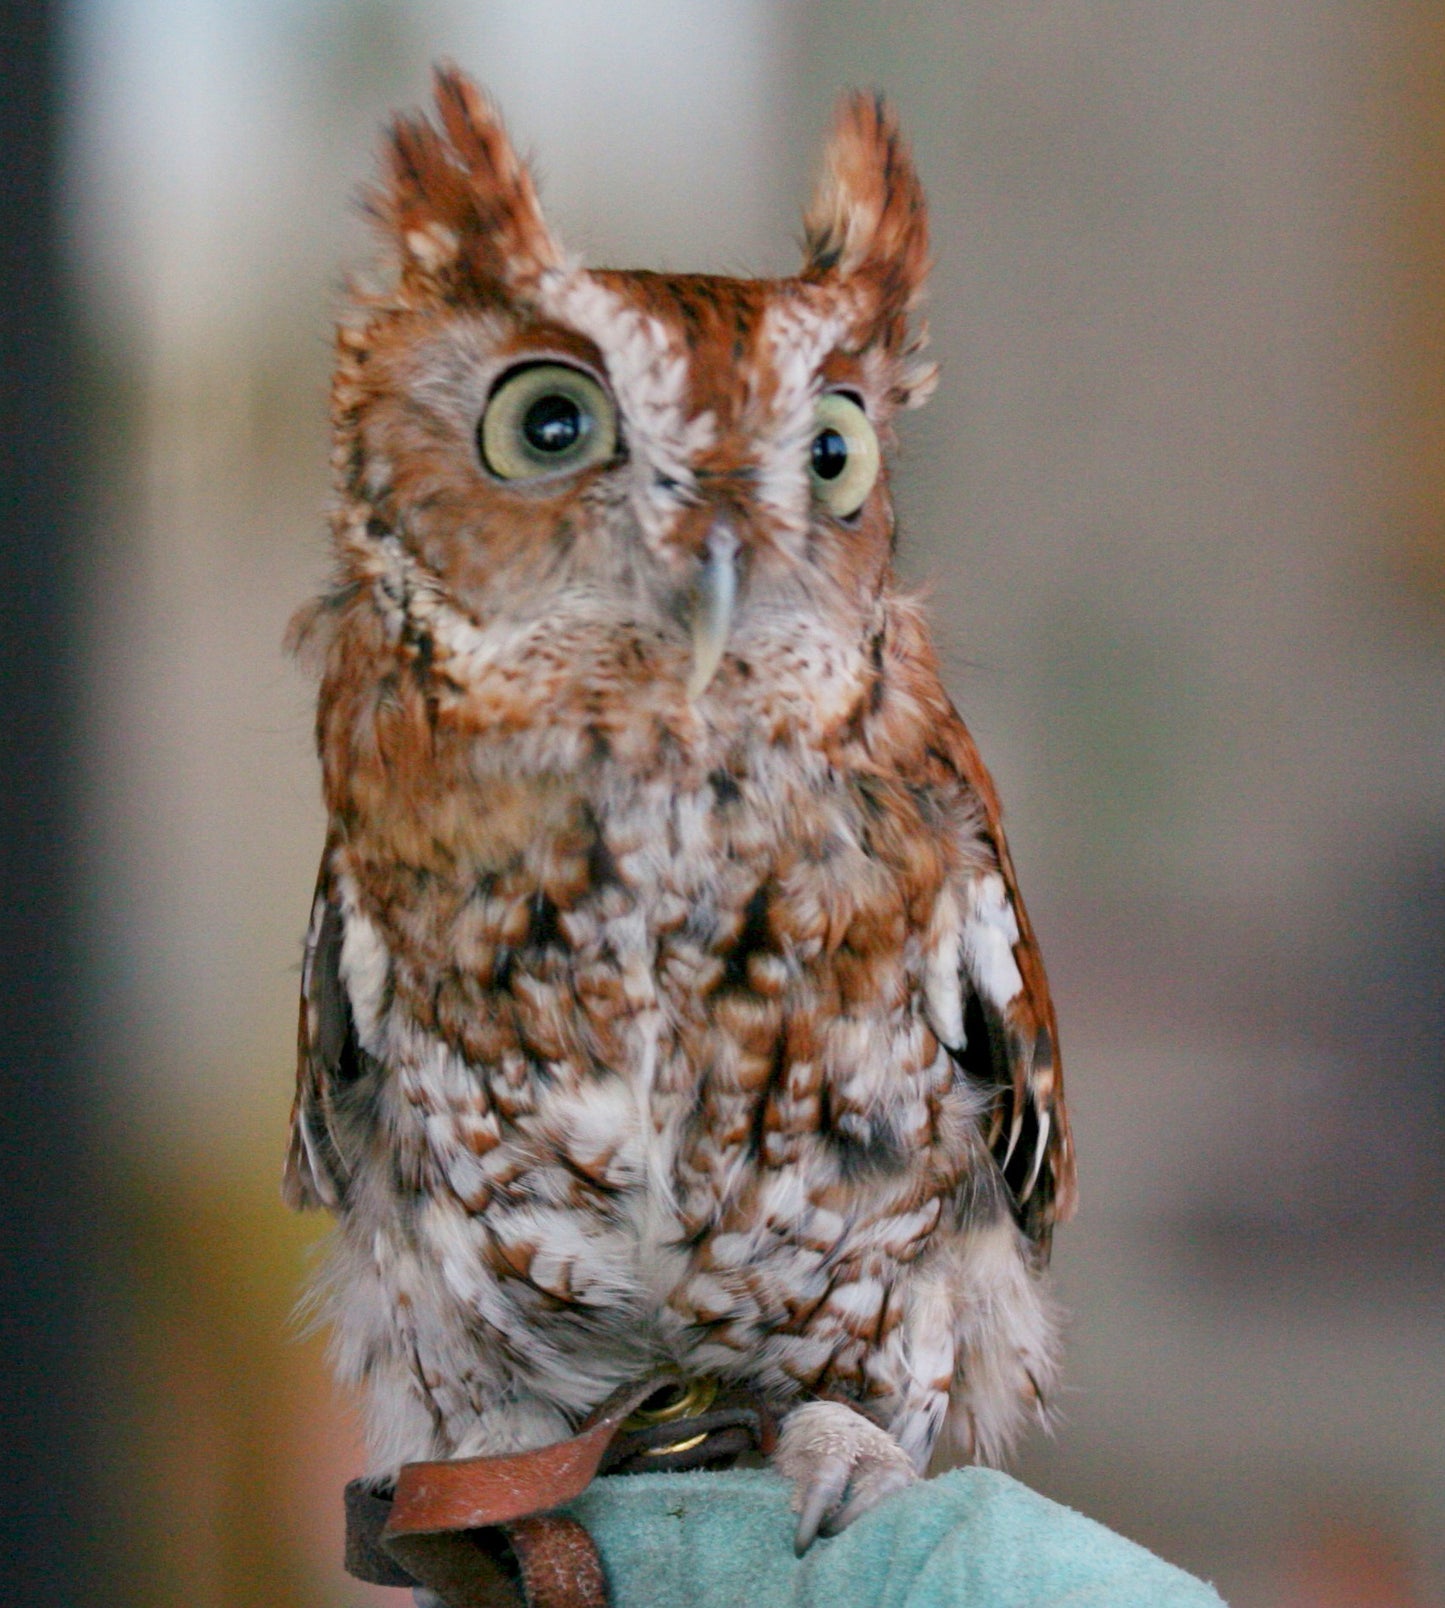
(712, 613)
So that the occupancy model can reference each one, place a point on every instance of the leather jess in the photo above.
(480, 1532)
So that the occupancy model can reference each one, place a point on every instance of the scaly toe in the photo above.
(817, 1500)
(869, 1488)
(841, 1464)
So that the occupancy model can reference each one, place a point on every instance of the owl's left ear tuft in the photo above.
(457, 201)
(867, 224)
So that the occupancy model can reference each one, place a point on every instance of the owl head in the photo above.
(629, 495)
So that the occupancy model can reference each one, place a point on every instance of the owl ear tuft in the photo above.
(867, 224)
(457, 201)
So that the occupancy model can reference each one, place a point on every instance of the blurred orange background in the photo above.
(1179, 507)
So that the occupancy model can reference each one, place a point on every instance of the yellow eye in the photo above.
(546, 419)
(844, 462)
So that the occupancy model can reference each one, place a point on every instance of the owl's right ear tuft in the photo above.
(457, 201)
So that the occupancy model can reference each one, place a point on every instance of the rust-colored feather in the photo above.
(459, 204)
(1031, 1119)
(867, 224)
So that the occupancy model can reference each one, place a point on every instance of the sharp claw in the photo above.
(824, 1490)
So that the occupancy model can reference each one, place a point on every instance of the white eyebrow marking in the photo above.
(797, 334)
(648, 368)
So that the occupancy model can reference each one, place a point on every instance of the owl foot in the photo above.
(841, 1464)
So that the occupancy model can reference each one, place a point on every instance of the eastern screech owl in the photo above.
(667, 993)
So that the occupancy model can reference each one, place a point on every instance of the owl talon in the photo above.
(817, 1500)
(841, 1465)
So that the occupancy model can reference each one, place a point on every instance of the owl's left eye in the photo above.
(546, 419)
(844, 458)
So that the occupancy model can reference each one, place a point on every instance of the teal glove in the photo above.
(972, 1538)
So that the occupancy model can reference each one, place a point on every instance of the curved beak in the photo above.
(713, 602)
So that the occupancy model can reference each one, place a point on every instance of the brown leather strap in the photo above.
(366, 1558)
(471, 1492)
(476, 1531)
(545, 1561)
(559, 1561)
(736, 1421)
(467, 1568)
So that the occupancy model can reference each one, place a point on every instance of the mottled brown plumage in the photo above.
(668, 995)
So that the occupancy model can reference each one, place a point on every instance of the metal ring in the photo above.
(677, 1446)
(694, 1396)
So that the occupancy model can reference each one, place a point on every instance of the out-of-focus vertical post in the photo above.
(1412, 470)
(44, 1142)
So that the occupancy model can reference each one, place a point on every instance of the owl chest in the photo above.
(668, 1020)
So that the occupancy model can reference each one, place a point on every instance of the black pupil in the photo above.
(553, 423)
(830, 454)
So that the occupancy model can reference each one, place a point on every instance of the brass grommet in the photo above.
(693, 1396)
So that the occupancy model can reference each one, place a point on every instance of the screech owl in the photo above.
(667, 996)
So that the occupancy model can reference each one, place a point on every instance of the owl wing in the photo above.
(329, 1062)
(1008, 1041)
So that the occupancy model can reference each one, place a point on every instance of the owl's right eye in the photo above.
(546, 419)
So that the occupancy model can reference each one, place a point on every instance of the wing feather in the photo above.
(327, 1059)
(1011, 1038)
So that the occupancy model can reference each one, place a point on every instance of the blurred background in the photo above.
(1179, 507)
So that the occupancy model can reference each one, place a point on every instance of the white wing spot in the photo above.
(990, 932)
